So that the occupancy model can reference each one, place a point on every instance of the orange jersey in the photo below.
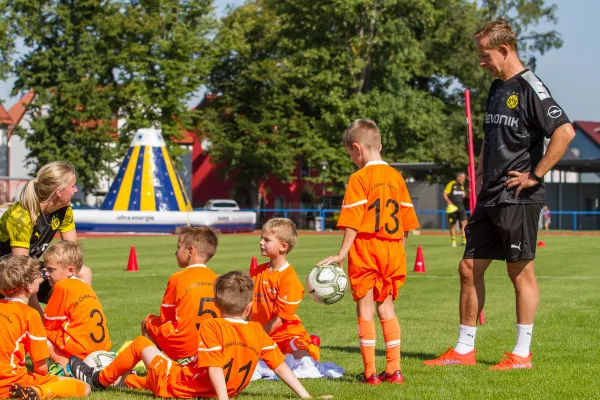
(377, 202)
(188, 300)
(276, 293)
(232, 344)
(22, 333)
(74, 319)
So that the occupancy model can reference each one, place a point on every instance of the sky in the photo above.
(571, 72)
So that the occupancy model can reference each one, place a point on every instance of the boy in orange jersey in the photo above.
(74, 320)
(23, 333)
(278, 291)
(377, 214)
(189, 298)
(228, 351)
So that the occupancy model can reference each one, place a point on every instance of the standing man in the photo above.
(454, 195)
(520, 113)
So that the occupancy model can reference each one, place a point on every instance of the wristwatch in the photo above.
(535, 177)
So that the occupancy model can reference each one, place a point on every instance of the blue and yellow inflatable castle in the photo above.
(147, 179)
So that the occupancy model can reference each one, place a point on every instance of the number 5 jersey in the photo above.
(188, 300)
(377, 205)
(74, 320)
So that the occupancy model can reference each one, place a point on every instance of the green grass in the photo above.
(565, 340)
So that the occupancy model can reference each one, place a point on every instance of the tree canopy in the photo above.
(94, 62)
(291, 75)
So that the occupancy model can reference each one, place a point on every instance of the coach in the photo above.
(29, 225)
(520, 113)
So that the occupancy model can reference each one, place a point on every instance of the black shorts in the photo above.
(503, 232)
(458, 215)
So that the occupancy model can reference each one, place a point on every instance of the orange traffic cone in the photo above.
(253, 265)
(132, 265)
(541, 244)
(419, 262)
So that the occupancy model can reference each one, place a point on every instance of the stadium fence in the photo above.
(323, 219)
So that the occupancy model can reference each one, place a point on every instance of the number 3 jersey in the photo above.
(188, 300)
(74, 320)
(377, 203)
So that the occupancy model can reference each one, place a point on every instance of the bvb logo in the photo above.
(512, 101)
(55, 223)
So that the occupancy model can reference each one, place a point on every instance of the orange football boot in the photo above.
(513, 361)
(451, 357)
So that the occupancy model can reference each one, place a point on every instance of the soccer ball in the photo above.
(327, 284)
(99, 359)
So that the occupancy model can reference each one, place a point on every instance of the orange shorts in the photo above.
(27, 380)
(164, 380)
(376, 264)
(174, 348)
(293, 337)
(157, 379)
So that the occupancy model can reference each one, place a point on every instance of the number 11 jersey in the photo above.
(377, 203)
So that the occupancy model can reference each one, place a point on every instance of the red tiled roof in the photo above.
(591, 128)
(18, 110)
(4, 117)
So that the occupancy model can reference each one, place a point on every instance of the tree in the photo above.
(93, 62)
(311, 67)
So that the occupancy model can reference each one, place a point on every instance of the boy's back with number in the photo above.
(74, 319)
(378, 206)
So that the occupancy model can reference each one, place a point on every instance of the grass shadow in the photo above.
(381, 352)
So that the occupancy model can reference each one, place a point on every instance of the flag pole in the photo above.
(471, 169)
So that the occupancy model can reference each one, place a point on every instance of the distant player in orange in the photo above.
(23, 333)
(377, 214)
(189, 298)
(74, 320)
(228, 351)
(278, 291)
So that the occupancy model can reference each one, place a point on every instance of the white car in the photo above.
(222, 205)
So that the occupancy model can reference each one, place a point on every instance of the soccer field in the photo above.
(566, 339)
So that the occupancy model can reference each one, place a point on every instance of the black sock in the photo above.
(96, 380)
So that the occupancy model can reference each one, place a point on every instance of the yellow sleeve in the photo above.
(448, 189)
(68, 223)
(18, 227)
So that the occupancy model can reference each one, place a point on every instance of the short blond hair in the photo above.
(233, 293)
(284, 229)
(499, 33)
(364, 132)
(201, 238)
(16, 272)
(65, 254)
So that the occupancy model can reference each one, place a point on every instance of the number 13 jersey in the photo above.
(74, 319)
(377, 203)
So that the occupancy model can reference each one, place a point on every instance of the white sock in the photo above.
(523, 340)
(466, 339)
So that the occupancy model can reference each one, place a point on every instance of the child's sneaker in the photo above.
(372, 380)
(84, 373)
(513, 361)
(17, 391)
(57, 370)
(396, 377)
(451, 357)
